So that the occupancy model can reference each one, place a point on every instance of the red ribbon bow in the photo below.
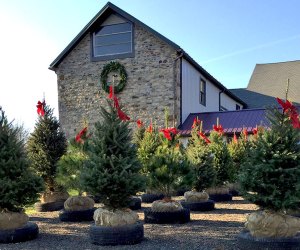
(255, 131)
(169, 133)
(219, 129)
(40, 108)
(80, 134)
(196, 122)
(139, 123)
(245, 132)
(235, 140)
(289, 108)
(203, 136)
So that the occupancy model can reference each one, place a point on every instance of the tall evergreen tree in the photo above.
(222, 161)
(201, 159)
(112, 169)
(46, 144)
(71, 163)
(19, 186)
(270, 177)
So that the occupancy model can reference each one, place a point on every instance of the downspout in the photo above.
(180, 54)
(223, 90)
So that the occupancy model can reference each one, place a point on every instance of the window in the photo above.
(113, 41)
(202, 92)
(237, 107)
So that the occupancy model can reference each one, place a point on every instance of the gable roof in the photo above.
(271, 80)
(231, 121)
(109, 9)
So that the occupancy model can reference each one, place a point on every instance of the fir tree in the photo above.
(238, 150)
(19, 186)
(201, 160)
(168, 165)
(222, 161)
(71, 163)
(46, 144)
(270, 177)
(112, 169)
(139, 133)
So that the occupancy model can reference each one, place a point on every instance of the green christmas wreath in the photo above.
(111, 67)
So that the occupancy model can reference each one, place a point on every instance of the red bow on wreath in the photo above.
(41, 108)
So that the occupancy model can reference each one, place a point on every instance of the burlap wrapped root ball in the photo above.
(271, 224)
(12, 220)
(193, 196)
(79, 203)
(48, 197)
(217, 190)
(104, 217)
(166, 206)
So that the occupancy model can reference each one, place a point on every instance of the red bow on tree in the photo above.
(40, 108)
(203, 136)
(255, 131)
(80, 134)
(150, 128)
(289, 108)
(139, 123)
(169, 133)
(245, 132)
(219, 129)
(235, 140)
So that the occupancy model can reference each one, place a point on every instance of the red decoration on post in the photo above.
(40, 108)
(196, 122)
(289, 108)
(218, 129)
(255, 131)
(150, 128)
(245, 132)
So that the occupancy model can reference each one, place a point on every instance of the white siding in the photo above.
(190, 93)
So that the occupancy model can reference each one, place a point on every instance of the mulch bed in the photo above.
(216, 229)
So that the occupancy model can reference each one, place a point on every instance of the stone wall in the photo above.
(153, 83)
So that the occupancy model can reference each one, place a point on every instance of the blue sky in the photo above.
(227, 38)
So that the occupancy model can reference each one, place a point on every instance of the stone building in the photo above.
(160, 74)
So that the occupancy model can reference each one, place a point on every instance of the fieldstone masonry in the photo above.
(153, 83)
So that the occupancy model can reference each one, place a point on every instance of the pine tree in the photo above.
(238, 151)
(71, 163)
(46, 144)
(270, 177)
(201, 160)
(19, 186)
(222, 161)
(168, 165)
(112, 169)
(138, 134)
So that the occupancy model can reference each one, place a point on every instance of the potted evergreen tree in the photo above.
(167, 167)
(70, 166)
(270, 178)
(112, 170)
(46, 144)
(222, 163)
(238, 150)
(147, 147)
(203, 173)
(19, 186)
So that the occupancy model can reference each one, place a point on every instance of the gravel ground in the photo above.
(207, 230)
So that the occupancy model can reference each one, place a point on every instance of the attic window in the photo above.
(113, 41)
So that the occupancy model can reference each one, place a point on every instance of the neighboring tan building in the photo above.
(160, 74)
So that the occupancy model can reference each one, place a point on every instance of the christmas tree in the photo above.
(71, 164)
(138, 133)
(200, 158)
(222, 161)
(238, 150)
(19, 186)
(270, 177)
(112, 169)
(168, 165)
(46, 144)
